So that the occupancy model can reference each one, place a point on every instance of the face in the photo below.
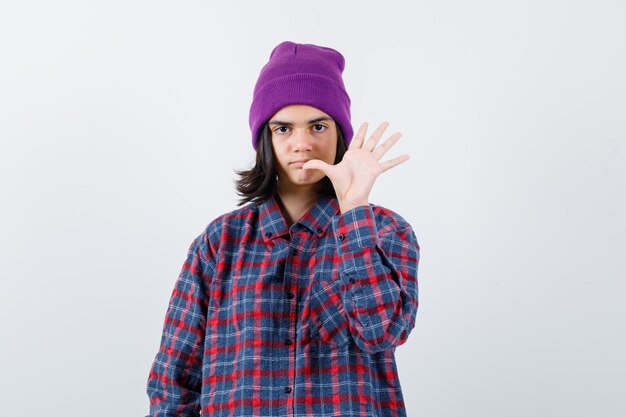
(300, 133)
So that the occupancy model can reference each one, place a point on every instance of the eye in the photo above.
(280, 131)
(319, 128)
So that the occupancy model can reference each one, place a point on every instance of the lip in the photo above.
(300, 162)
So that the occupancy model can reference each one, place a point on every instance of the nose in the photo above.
(301, 139)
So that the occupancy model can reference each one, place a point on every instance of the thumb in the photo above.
(317, 164)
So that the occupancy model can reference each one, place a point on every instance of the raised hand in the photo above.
(354, 177)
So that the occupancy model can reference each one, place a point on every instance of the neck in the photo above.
(294, 203)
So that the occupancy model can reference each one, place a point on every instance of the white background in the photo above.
(121, 123)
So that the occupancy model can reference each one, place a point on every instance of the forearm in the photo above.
(378, 273)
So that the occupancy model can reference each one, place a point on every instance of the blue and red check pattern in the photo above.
(266, 320)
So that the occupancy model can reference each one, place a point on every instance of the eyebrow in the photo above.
(317, 119)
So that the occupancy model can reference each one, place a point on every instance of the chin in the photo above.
(306, 179)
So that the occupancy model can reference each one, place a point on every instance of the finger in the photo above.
(357, 142)
(393, 162)
(386, 145)
(373, 140)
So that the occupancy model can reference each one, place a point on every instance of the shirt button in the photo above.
(268, 234)
(290, 295)
(341, 237)
(287, 390)
(294, 252)
(320, 230)
(352, 281)
(288, 342)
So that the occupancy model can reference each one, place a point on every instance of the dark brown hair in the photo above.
(258, 184)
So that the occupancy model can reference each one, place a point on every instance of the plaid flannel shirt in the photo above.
(266, 320)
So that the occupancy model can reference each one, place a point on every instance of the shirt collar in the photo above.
(317, 219)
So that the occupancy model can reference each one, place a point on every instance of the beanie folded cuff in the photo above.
(309, 89)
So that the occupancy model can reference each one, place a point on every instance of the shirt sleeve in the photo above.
(175, 379)
(378, 273)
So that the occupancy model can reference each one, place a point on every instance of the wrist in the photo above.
(346, 206)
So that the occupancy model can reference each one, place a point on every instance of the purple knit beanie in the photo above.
(301, 74)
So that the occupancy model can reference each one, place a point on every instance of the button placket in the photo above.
(290, 295)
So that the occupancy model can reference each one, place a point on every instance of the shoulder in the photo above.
(388, 220)
(228, 226)
(233, 222)
(221, 232)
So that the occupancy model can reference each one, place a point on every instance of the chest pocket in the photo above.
(327, 317)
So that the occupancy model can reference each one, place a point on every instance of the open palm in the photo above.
(354, 177)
